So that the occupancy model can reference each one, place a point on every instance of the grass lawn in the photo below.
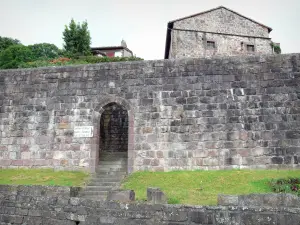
(203, 187)
(42, 177)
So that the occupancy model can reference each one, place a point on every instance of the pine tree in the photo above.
(77, 39)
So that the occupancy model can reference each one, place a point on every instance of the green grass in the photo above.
(203, 187)
(42, 177)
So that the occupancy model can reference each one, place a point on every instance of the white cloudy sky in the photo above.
(142, 23)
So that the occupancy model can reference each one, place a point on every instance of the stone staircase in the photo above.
(112, 169)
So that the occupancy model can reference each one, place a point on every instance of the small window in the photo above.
(250, 48)
(211, 45)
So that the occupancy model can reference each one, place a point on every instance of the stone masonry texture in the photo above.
(219, 113)
(240, 32)
(27, 208)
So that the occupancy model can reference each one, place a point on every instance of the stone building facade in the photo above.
(219, 113)
(219, 31)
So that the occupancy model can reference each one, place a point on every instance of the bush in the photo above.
(288, 185)
(45, 51)
(96, 59)
(81, 60)
(15, 56)
(6, 42)
(276, 48)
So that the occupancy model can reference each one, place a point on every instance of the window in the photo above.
(211, 45)
(250, 48)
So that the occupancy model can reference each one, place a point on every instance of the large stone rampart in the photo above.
(220, 113)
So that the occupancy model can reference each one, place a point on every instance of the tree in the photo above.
(5, 42)
(14, 56)
(45, 51)
(77, 39)
(276, 47)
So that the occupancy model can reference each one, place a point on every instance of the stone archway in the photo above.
(98, 112)
(113, 129)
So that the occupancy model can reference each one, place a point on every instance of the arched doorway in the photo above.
(113, 131)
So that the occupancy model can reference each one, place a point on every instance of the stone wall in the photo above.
(230, 32)
(223, 21)
(220, 113)
(193, 44)
(39, 191)
(27, 208)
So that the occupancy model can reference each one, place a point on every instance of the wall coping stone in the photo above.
(40, 190)
(162, 62)
(268, 200)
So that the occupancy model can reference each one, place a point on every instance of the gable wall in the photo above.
(222, 21)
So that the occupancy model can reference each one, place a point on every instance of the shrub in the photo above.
(96, 59)
(6, 42)
(80, 60)
(288, 185)
(45, 51)
(15, 56)
(276, 48)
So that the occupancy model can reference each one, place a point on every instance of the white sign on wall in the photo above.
(83, 131)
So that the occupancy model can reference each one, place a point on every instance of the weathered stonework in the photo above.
(27, 208)
(231, 33)
(191, 44)
(223, 20)
(220, 113)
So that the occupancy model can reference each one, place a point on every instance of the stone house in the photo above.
(112, 51)
(219, 31)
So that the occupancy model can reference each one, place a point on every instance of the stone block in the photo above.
(121, 195)
(74, 191)
(228, 200)
(156, 196)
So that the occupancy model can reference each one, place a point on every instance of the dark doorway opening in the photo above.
(114, 130)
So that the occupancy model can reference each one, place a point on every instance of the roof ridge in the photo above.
(219, 7)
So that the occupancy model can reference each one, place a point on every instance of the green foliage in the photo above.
(286, 185)
(15, 56)
(6, 42)
(77, 39)
(96, 59)
(45, 51)
(276, 48)
(78, 61)
(173, 201)
(203, 187)
(42, 177)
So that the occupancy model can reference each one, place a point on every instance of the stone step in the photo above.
(101, 183)
(96, 197)
(95, 193)
(111, 173)
(112, 165)
(98, 188)
(121, 162)
(110, 169)
(105, 178)
(113, 157)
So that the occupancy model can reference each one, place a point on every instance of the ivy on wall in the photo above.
(276, 48)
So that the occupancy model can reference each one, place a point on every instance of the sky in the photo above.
(141, 23)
